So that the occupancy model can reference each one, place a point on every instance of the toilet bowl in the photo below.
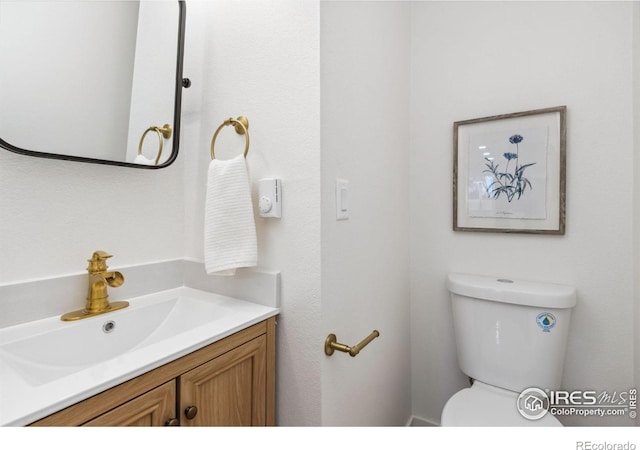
(483, 405)
(511, 338)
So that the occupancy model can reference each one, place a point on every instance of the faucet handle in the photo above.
(98, 261)
(100, 254)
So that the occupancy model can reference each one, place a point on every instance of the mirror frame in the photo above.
(180, 83)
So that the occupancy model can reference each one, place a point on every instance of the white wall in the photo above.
(54, 214)
(261, 60)
(365, 260)
(476, 59)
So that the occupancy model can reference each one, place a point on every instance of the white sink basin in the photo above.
(65, 362)
(63, 348)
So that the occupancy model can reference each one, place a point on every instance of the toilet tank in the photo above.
(511, 334)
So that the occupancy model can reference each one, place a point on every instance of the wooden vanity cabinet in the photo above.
(151, 409)
(229, 390)
(228, 383)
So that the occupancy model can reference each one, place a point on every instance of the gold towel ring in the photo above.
(241, 125)
(163, 132)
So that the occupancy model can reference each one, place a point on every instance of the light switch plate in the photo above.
(342, 199)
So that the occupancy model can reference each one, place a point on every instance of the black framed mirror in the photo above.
(92, 81)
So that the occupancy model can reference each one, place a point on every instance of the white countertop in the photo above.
(23, 402)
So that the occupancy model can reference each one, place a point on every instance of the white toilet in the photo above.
(511, 336)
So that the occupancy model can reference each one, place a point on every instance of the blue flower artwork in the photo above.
(511, 183)
(509, 172)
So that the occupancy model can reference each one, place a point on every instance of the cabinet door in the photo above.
(154, 408)
(229, 390)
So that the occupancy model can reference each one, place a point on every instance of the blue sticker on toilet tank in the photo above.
(546, 321)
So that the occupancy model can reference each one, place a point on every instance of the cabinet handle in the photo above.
(190, 412)
(172, 422)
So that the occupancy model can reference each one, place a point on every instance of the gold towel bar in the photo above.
(241, 125)
(331, 344)
(163, 132)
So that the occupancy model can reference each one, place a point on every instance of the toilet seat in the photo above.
(486, 405)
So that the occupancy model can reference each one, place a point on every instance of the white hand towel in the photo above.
(140, 159)
(229, 227)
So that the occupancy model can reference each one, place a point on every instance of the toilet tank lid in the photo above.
(518, 292)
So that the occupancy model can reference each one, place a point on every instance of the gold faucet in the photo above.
(97, 298)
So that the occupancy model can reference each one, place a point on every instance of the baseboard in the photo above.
(419, 422)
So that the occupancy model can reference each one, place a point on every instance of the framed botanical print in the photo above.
(509, 173)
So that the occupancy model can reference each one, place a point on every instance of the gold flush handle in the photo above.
(331, 344)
